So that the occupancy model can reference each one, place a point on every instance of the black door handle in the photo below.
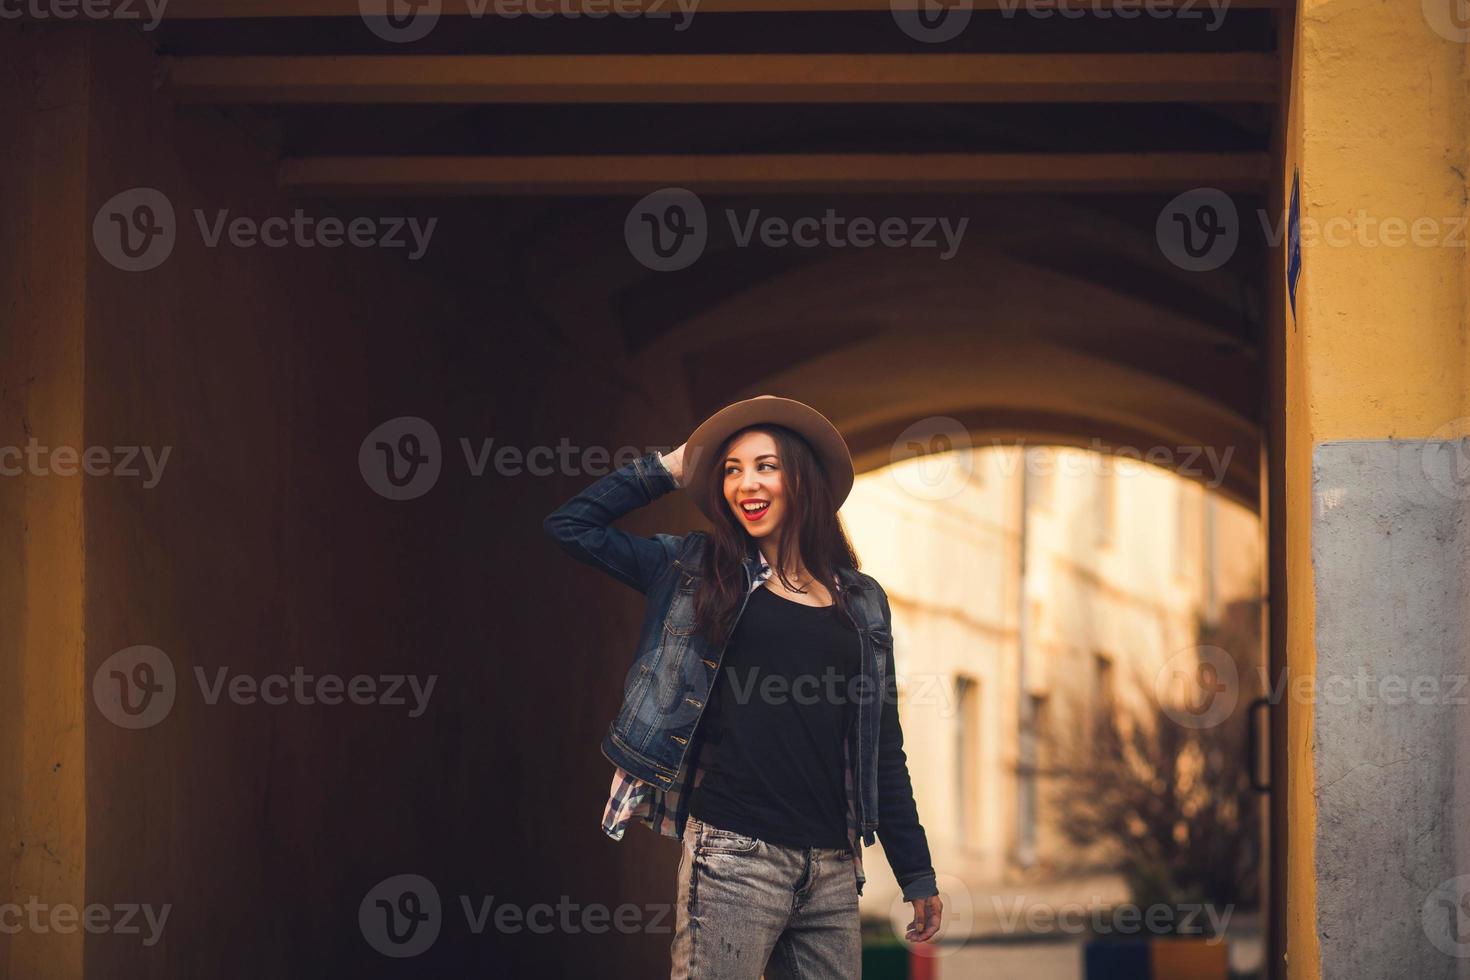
(1253, 747)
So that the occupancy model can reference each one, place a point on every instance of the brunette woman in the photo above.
(759, 722)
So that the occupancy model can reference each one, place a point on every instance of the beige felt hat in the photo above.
(810, 424)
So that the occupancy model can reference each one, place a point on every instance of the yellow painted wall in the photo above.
(45, 119)
(1380, 124)
(1301, 953)
(1377, 123)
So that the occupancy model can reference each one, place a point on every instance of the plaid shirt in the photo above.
(665, 811)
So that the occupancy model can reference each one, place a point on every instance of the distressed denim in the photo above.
(746, 907)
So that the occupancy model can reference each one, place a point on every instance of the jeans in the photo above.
(745, 906)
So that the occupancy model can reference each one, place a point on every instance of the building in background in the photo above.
(1022, 581)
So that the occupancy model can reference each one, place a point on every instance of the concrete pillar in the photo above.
(1375, 380)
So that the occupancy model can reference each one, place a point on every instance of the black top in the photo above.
(772, 735)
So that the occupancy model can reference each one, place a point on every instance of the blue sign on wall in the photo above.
(1294, 239)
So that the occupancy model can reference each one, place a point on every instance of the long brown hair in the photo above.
(820, 538)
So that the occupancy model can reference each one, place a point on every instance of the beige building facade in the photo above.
(1122, 561)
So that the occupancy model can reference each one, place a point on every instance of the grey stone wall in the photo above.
(1388, 554)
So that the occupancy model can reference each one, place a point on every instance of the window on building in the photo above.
(1041, 464)
(1102, 502)
(968, 764)
(1041, 730)
(1104, 697)
(1033, 760)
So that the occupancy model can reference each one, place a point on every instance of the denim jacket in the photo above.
(674, 668)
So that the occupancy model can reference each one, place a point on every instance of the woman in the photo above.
(759, 721)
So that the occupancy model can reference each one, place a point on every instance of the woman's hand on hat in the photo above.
(674, 463)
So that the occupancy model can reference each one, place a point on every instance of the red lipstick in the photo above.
(754, 515)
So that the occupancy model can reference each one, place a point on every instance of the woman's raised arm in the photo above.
(583, 525)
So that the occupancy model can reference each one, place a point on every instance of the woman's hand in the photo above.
(927, 913)
(674, 462)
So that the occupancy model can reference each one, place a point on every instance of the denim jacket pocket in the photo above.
(679, 618)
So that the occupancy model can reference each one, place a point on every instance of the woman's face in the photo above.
(754, 487)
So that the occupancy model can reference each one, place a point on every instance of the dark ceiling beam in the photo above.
(711, 78)
(232, 9)
(776, 173)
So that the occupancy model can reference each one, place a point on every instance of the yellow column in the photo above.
(43, 688)
(1377, 124)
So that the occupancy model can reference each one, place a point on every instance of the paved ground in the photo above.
(1058, 960)
(1014, 961)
